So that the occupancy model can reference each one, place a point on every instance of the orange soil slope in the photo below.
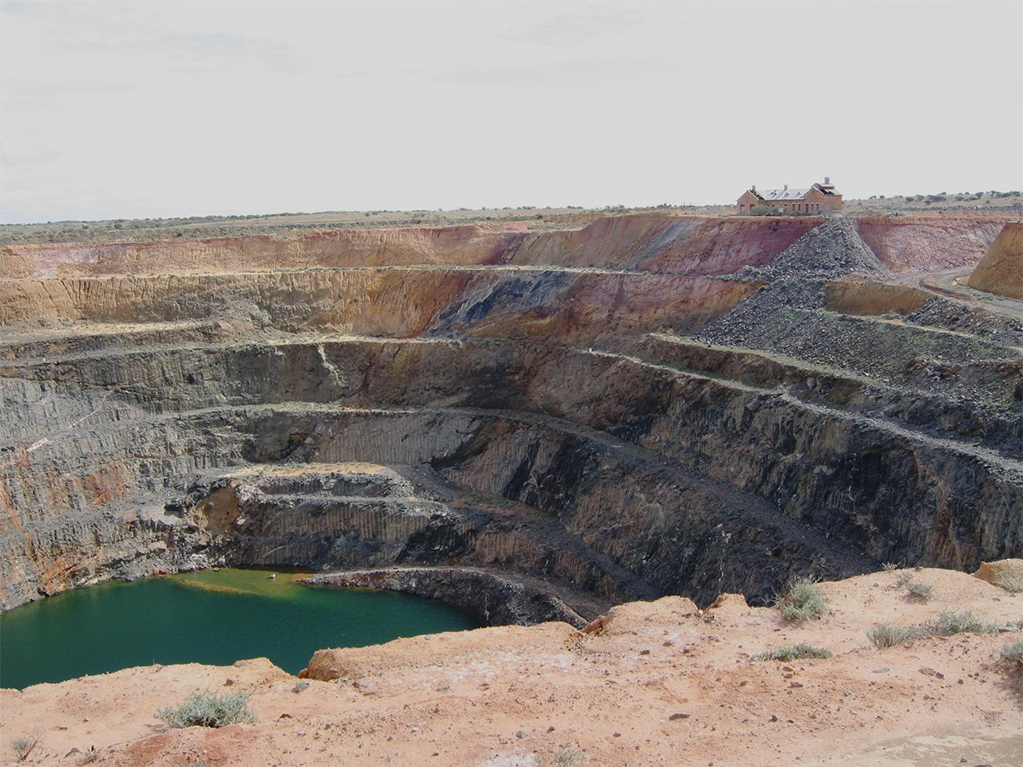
(866, 297)
(1001, 269)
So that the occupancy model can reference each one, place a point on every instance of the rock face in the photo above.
(502, 599)
(925, 243)
(1001, 269)
(552, 421)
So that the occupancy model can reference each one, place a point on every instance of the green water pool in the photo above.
(214, 617)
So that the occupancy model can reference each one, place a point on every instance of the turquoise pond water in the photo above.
(214, 617)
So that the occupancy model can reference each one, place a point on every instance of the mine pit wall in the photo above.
(910, 356)
(655, 243)
(85, 502)
(393, 303)
(914, 243)
(674, 532)
(89, 501)
(333, 533)
(392, 374)
(501, 600)
(641, 242)
(888, 502)
(88, 504)
(347, 534)
(930, 414)
(1000, 271)
(872, 297)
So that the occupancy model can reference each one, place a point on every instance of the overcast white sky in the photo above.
(147, 109)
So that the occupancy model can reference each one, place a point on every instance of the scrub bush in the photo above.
(207, 709)
(803, 601)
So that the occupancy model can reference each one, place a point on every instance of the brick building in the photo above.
(819, 198)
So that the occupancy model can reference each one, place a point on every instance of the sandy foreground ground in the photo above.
(663, 683)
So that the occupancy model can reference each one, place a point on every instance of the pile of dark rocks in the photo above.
(828, 251)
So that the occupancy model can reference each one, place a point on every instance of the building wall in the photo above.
(824, 202)
(747, 202)
(815, 201)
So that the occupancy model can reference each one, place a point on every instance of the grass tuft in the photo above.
(23, 747)
(920, 591)
(1012, 658)
(1013, 655)
(803, 601)
(208, 709)
(951, 622)
(566, 756)
(1010, 580)
(798, 652)
(889, 635)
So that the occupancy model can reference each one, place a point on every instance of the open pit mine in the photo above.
(536, 426)
(531, 424)
(528, 424)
